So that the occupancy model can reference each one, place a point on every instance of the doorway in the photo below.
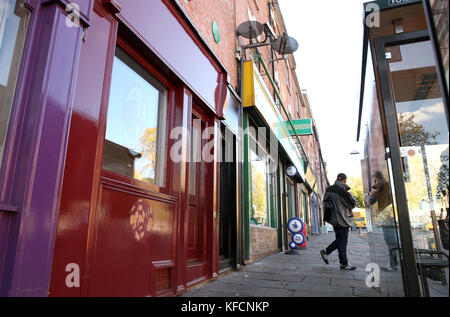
(228, 201)
(315, 214)
(196, 220)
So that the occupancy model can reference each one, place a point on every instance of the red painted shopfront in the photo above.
(138, 212)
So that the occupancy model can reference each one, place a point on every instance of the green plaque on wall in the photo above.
(215, 32)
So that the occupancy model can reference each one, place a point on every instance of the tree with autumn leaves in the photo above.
(356, 184)
(148, 154)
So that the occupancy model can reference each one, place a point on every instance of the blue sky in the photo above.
(128, 89)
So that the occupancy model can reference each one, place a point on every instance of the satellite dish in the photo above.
(285, 45)
(250, 29)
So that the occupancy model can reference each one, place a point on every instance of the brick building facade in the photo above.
(228, 15)
(108, 201)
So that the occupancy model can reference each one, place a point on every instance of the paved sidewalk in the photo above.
(306, 275)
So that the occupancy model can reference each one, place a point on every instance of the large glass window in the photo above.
(292, 211)
(135, 133)
(380, 215)
(263, 183)
(423, 132)
(259, 189)
(13, 26)
(272, 178)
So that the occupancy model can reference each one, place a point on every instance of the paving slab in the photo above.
(325, 290)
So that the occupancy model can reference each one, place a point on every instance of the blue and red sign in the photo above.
(297, 227)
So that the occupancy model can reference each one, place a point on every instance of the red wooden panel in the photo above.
(72, 227)
(132, 232)
(163, 279)
(192, 233)
(96, 227)
(198, 272)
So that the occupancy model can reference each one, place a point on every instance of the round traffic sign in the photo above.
(298, 238)
(295, 225)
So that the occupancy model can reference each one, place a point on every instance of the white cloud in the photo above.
(427, 113)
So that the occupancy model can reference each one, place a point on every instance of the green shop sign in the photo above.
(386, 4)
(301, 126)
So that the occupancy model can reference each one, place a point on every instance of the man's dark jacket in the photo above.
(338, 203)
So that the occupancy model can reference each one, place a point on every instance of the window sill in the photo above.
(5, 207)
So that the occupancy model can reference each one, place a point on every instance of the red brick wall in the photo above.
(203, 13)
(228, 14)
(263, 242)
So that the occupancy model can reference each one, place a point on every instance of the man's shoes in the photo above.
(324, 256)
(348, 267)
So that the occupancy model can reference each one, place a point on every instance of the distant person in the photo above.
(340, 202)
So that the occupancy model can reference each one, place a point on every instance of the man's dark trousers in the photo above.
(340, 244)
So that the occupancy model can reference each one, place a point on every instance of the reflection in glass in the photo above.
(263, 182)
(13, 26)
(259, 190)
(381, 217)
(135, 132)
(423, 132)
(194, 156)
(273, 199)
(291, 199)
(440, 18)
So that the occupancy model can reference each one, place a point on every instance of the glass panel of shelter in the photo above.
(381, 234)
(424, 138)
(424, 144)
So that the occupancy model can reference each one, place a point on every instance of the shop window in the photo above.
(135, 143)
(273, 196)
(13, 26)
(292, 212)
(423, 132)
(305, 207)
(262, 186)
(258, 189)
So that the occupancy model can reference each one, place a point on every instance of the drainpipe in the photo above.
(272, 56)
(261, 60)
(240, 216)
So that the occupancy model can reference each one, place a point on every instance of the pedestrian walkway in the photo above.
(306, 275)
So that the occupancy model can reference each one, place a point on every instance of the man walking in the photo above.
(340, 202)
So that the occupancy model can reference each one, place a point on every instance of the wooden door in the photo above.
(196, 220)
